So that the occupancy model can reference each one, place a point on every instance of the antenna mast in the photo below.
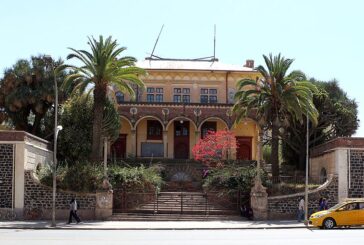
(156, 41)
(214, 40)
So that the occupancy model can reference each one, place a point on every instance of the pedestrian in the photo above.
(73, 211)
(301, 210)
(323, 205)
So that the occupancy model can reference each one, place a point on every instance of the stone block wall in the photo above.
(38, 196)
(6, 175)
(356, 168)
(280, 207)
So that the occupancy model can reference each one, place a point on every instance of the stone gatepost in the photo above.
(104, 203)
(259, 200)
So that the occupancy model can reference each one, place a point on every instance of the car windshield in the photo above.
(336, 206)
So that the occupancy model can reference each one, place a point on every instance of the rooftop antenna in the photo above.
(214, 41)
(155, 44)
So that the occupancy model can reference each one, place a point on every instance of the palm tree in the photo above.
(275, 97)
(100, 68)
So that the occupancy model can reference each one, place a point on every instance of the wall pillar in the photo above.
(259, 200)
(133, 143)
(165, 144)
(341, 166)
(104, 205)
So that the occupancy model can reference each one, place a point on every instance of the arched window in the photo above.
(323, 175)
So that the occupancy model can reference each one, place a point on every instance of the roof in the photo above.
(190, 65)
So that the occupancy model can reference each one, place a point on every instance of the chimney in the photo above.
(249, 63)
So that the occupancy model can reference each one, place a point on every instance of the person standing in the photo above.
(73, 211)
(301, 210)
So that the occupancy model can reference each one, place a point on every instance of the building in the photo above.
(183, 99)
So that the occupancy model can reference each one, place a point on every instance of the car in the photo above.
(345, 214)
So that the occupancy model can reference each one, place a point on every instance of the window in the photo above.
(154, 94)
(150, 97)
(154, 130)
(186, 99)
(177, 98)
(119, 97)
(208, 95)
(181, 95)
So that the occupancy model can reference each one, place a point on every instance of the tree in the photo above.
(274, 98)
(338, 117)
(75, 138)
(102, 67)
(27, 93)
(214, 147)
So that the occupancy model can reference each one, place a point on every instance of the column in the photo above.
(133, 143)
(165, 144)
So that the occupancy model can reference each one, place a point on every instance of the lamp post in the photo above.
(306, 181)
(57, 128)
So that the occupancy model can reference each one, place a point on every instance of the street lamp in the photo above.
(306, 183)
(57, 128)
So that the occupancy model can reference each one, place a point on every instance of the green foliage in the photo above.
(138, 178)
(232, 178)
(81, 176)
(27, 93)
(74, 143)
(274, 98)
(102, 67)
(267, 151)
(338, 117)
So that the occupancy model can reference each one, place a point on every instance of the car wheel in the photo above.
(329, 223)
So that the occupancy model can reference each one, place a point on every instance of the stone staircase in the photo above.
(179, 206)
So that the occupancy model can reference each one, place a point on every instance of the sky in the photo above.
(325, 38)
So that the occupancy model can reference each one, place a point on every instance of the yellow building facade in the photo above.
(182, 100)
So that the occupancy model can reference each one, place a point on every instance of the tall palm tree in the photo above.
(275, 97)
(102, 67)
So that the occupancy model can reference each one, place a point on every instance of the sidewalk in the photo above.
(152, 225)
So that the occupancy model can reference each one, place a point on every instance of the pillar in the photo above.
(133, 143)
(165, 143)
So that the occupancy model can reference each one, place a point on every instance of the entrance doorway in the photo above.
(181, 139)
(244, 150)
(118, 148)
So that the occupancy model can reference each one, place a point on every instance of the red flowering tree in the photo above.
(214, 147)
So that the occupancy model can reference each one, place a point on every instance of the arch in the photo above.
(146, 117)
(213, 118)
(126, 119)
(180, 118)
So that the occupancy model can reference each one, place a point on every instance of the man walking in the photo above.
(73, 211)
(301, 210)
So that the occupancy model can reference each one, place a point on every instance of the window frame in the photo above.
(155, 127)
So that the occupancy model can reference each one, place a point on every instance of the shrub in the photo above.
(136, 178)
(81, 176)
(232, 178)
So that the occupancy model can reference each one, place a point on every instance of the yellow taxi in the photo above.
(348, 213)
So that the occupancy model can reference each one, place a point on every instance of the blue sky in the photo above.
(324, 37)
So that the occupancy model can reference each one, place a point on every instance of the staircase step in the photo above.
(171, 217)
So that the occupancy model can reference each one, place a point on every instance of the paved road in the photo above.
(183, 237)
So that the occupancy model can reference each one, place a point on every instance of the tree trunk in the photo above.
(36, 124)
(98, 109)
(274, 154)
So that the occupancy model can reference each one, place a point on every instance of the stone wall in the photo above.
(356, 168)
(6, 175)
(281, 207)
(38, 196)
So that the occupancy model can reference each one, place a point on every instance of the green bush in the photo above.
(232, 178)
(81, 176)
(88, 177)
(135, 178)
